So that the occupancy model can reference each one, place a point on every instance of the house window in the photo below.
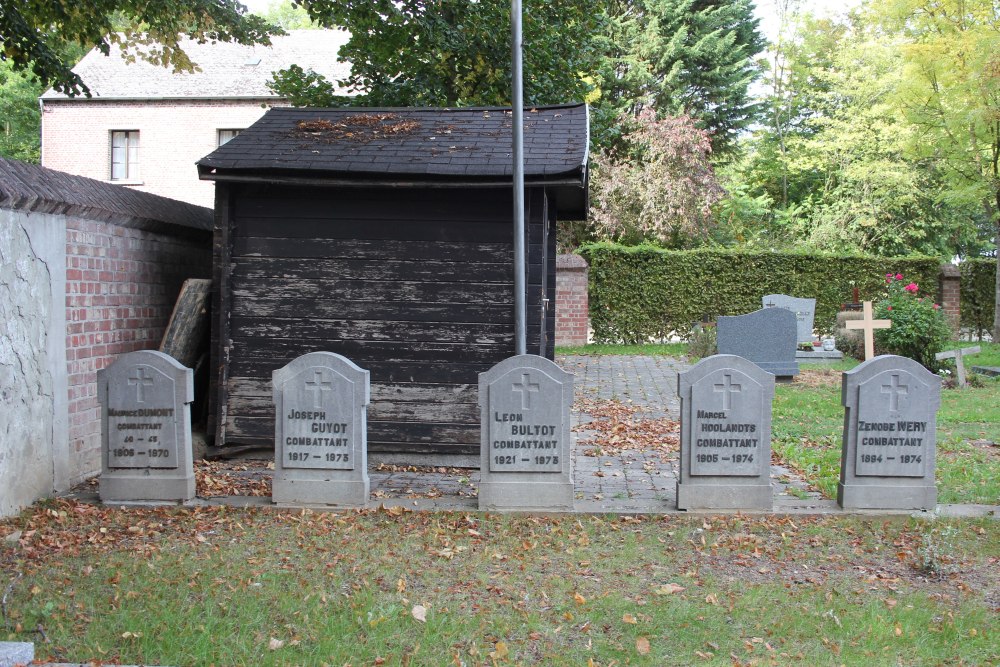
(125, 155)
(227, 135)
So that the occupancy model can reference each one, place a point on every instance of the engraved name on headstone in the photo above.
(321, 453)
(889, 443)
(804, 310)
(526, 444)
(145, 399)
(725, 435)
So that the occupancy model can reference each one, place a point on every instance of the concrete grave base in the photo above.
(135, 485)
(887, 497)
(528, 496)
(322, 490)
(729, 497)
(16, 653)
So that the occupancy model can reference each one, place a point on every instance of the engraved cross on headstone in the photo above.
(727, 389)
(317, 386)
(958, 355)
(140, 382)
(770, 304)
(868, 324)
(895, 390)
(527, 388)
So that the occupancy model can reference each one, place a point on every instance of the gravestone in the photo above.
(725, 435)
(890, 435)
(803, 309)
(959, 356)
(145, 402)
(526, 463)
(766, 337)
(321, 431)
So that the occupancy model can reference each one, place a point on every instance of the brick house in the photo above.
(145, 126)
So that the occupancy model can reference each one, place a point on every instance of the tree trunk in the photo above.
(996, 300)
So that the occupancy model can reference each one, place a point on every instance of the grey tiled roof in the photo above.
(409, 143)
(225, 72)
(28, 187)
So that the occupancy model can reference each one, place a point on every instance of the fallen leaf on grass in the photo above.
(642, 646)
(275, 644)
(501, 651)
(419, 612)
(629, 618)
(668, 589)
(131, 635)
(579, 598)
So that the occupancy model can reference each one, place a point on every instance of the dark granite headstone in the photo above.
(804, 309)
(766, 337)
(526, 462)
(725, 435)
(890, 435)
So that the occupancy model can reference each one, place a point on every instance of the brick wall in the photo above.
(121, 285)
(173, 136)
(572, 307)
(950, 289)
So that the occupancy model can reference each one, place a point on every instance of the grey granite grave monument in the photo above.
(526, 463)
(803, 309)
(725, 435)
(890, 426)
(320, 432)
(16, 653)
(765, 337)
(145, 402)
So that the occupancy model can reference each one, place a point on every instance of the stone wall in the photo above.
(950, 291)
(572, 309)
(88, 271)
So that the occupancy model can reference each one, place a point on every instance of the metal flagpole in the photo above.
(517, 132)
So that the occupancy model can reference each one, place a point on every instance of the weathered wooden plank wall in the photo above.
(414, 285)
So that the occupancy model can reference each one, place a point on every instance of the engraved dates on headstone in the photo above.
(145, 401)
(889, 445)
(320, 429)
(725, 435)
(524, 408)
(892, 426)
(726, 425)
(318, 420)
(525, 428)
(142, 420)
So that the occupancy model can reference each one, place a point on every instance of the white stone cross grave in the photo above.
(868, 324)
(958, 355)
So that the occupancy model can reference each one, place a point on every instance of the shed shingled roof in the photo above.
(29, 187)
(225, 69)
(406, 144)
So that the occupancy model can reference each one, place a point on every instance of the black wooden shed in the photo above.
(385, 235)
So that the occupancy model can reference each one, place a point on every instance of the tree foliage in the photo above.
(20, 120)
(31, 33)
(662, 189)
(686, 57)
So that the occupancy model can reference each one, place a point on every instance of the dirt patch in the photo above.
(818, 377)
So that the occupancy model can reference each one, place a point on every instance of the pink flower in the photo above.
(899, 276)
(912, 287)
(889, 308)
(936, 307)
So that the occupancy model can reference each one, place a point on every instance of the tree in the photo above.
(660, 190)
(687, 57)
(951, 95)
(20, 119)
(455, 52)
(31, 33)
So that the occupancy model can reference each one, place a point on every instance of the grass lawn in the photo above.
(223, 586)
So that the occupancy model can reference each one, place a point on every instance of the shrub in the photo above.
(919, 329)
(978, 294)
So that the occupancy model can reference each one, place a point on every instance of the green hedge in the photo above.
(638, 293)
(978, 294)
